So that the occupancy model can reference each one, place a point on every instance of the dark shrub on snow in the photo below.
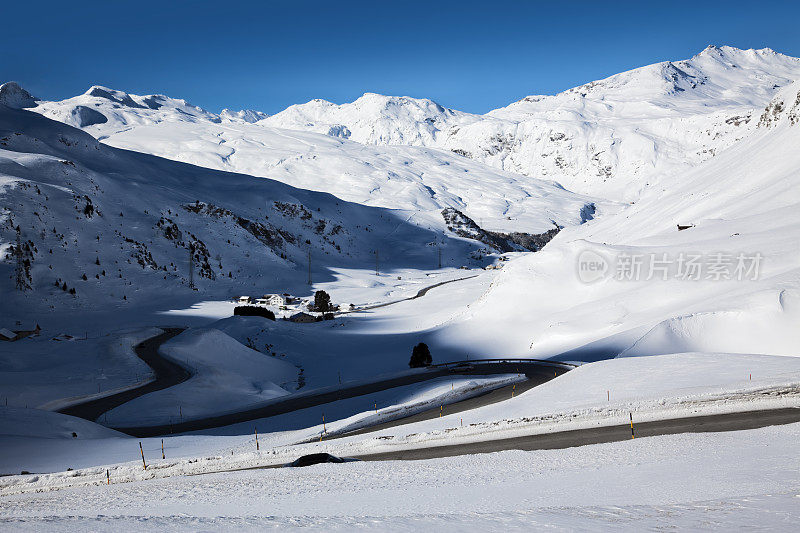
(253, 310)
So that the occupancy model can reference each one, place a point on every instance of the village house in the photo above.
(275, 299)
(244, 300)
(303, 318)
(6, 335)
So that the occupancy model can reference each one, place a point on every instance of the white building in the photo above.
(275, 299)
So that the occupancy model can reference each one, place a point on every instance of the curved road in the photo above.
(420, 293)
(537, 372)
(167, 374)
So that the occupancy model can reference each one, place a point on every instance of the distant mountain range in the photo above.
(608, 138)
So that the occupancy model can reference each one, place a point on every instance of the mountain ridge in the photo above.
(608, 138)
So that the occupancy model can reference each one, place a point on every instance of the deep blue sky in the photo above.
(268, 55)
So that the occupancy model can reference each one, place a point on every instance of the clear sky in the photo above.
(472, 56)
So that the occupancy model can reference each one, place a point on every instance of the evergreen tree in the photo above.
(322, 302)
(420, 356)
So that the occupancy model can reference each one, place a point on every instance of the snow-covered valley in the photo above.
(644, 227)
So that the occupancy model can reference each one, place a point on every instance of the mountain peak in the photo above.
(734, 55)
(246, 115)
(120, 97)
(12, 95)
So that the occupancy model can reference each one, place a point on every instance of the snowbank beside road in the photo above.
(604, 393)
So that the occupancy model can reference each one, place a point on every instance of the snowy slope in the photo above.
(117, 227)
(609, 138)
(743, 203)
(690, 482)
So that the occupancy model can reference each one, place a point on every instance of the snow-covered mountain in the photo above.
(609, 138)
(118, 109)
(419, 179)
(374, 119)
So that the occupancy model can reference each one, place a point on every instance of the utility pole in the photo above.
(191, 265)
(309, 264)
(19, 273)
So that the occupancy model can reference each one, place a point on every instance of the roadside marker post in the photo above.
(608, 393)
(108, 477)
(441, 408)
(324, 430)
(632, 435)
(144, 464)
(513, 388)
(256, 430)
(162, 449)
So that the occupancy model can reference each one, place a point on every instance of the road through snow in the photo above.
(167, 374)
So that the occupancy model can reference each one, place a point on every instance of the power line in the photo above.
(191, 265)
(20, 268)
(309, 264)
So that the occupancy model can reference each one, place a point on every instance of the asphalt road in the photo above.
(493, 396)
(537, 373)
(420, 293)
(167, 374)
(582, 437)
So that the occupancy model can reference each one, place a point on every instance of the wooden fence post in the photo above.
(144, 464)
